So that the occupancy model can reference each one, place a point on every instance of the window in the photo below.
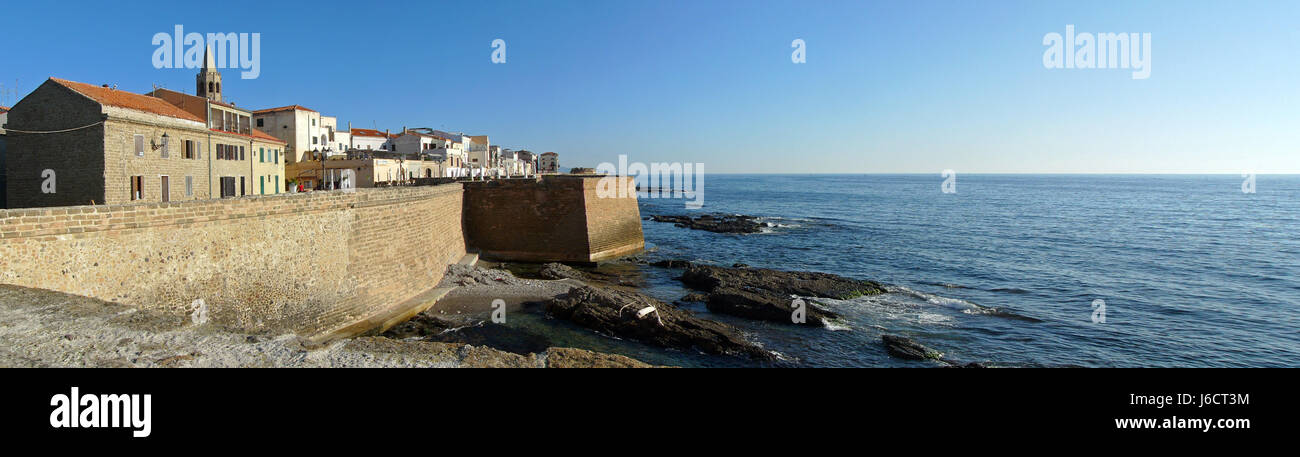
(189, 149)
(313, 122)
(189, 186)
(277, 183)
(137, 187)
(241, 153)
(227, 186)
(261, 185)
(261, 155)
(313, 140)
(166, 188)
(166, 152)
(139, 145)
(259, 122)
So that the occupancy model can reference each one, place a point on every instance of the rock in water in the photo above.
(763, 306)
(760, 293)
(783, 283)
(695, 297)
(905, 348)
(721, 223)
(560, 271)
(624, 314)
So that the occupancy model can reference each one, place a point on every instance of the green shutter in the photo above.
(261, 184)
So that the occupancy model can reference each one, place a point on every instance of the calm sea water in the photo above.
(1193, 271)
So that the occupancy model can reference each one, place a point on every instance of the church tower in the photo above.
(208, 80)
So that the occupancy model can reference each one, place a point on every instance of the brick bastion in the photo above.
(308, 263)
(563, 218)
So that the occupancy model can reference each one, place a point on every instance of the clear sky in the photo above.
(917, 86)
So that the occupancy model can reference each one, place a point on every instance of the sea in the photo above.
(1082, 270)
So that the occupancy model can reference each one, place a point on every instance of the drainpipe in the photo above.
(207, 106)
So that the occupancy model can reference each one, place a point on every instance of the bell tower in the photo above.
(208, 81)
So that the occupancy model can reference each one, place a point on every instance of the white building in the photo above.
(305, 130)
(371, 140)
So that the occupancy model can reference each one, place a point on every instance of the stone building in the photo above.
(82, 144)
(306, 131)
(548, 162)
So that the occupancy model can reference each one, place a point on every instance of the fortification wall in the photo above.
(299, 262)
(554, 218)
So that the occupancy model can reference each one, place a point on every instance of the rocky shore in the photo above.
(770, 295)
(638, 317)
(41, 328)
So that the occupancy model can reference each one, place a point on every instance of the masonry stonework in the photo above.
(294, 262)
(552, 218)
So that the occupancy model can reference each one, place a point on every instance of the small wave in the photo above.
(946, 285)
(835, 326)
(933, 299)
(1009, 290)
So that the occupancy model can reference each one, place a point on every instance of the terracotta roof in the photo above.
(4, 109)
(283, 108)
(368, 132)
(195, 97)
(426, 135)
(129, 100)
(257, 135)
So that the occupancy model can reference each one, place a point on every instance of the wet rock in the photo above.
(906, 348)
(560, 271)
(695, 297)
(766, 306)
(719, 223)
(624, 314)
(782, 283)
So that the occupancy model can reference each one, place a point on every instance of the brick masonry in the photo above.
(296, 262)
(554, 218)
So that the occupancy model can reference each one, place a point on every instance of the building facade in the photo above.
(305, 131)
(85, 144)
(548, 162)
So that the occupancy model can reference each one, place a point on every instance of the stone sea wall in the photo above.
(299, 262)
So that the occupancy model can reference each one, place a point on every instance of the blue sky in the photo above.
(887, 87)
